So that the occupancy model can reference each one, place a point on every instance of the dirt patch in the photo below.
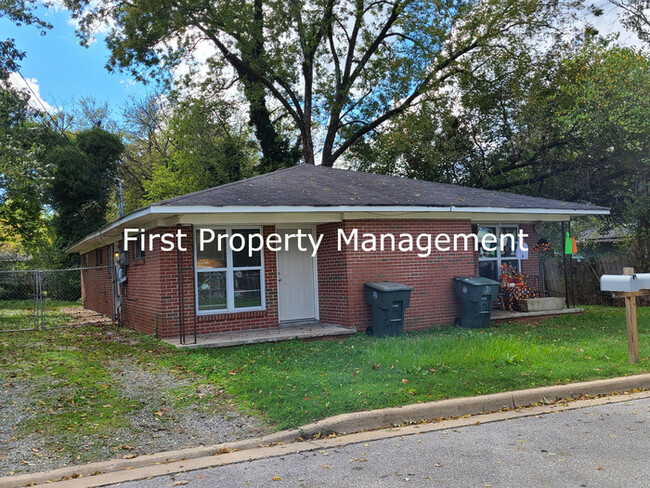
(177, 413)
(80, 315)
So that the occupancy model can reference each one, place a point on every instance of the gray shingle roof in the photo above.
(318, 186)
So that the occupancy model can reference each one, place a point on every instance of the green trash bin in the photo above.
(388, 301)
(476, 298)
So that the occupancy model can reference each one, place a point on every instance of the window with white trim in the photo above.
(228, 279)
(490, 260)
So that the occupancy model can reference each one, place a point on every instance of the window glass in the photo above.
(490, 262)
(212, 290)
(509, 243)
(211, 257)
(248, 289)
(240, 258)
(488, 269)
(138, 252)
(484, 253)
(229, 280)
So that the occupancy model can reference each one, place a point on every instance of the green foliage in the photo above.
(570, 122)
(21, 12)
(609, 113)
(336, 69)
(83, 172)
(204, 151)
(21, 176)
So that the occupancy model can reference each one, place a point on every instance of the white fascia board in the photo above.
(80, 245)
(531, 211)
(354, 208)
(205, 209)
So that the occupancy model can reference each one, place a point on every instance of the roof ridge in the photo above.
(226, 185)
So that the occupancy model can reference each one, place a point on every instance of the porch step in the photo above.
(502, 315)
(285, 332)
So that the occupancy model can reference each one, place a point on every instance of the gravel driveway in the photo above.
(165, 410)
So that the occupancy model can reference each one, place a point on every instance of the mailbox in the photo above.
(644, 280)
(622, 283)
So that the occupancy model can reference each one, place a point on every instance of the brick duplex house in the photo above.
(234, 289)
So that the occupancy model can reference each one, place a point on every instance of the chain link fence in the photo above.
(43, 299)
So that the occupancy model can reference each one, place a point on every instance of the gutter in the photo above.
(207, 209)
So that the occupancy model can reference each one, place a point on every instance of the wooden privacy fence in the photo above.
(586, 275)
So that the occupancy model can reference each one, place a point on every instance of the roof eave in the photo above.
(166, 210)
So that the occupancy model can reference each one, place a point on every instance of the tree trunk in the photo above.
(276, 151)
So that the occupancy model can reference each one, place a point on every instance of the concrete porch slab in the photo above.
(298, 330)
(503, 315)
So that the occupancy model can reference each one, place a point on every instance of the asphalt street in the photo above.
(601, 446)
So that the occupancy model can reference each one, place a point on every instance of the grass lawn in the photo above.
(294, 383)
(19, 314)
(75, 394)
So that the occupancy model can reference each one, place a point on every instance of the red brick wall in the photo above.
(151, 304)
(342, 274)
(96, 287)
(142, 293)
(332, 278)
(530, 266)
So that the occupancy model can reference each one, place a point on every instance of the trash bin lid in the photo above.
(388, 286)
(475, 280)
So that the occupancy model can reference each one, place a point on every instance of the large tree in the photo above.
(147, 145)
(22, 178)
(83, 180)
(204, 151)
(572, 122)
(635, 15)
(337, 69)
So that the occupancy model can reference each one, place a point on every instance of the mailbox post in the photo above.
(629, 286)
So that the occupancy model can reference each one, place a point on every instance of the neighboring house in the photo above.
(10, 258)
(596, 243)
(231, 291)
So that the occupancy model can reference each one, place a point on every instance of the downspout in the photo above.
(194, 283)
(181, 298)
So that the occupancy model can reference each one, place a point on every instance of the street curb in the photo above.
(348, 423)
(456, 407)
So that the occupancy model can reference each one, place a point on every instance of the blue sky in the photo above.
(62, 69)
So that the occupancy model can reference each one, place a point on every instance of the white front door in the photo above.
(296, 283)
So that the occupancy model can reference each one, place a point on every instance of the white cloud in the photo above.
(128, 83)
(31, 86)
(610, 23)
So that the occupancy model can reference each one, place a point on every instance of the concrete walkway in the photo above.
(504, 315)
(297, 330)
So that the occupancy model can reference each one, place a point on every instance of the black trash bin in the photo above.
(388, 301)
(476, 298)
